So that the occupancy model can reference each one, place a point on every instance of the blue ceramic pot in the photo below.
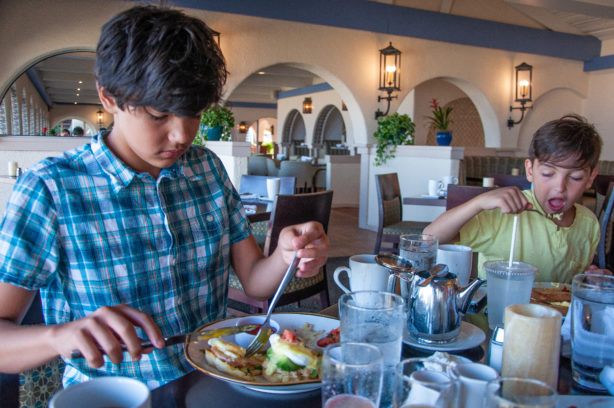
(214, 133)
(444, 138)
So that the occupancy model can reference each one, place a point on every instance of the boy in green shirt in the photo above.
(561, 239)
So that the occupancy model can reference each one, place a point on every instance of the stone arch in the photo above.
(329, 129)
(487, 117)
(294, 132)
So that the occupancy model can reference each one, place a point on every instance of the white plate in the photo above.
(470, 336)
(565, 401)
(290, 321)
(430, 196)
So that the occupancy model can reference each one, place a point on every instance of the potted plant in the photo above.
(392, 131)
(440, 120)
(216, 123)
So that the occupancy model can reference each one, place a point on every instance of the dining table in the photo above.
(197, 389)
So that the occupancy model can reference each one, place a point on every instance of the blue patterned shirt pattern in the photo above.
(88, 231)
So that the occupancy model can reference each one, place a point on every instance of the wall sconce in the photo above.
(523, 91)
(307, 105)
(389, 75)
(215, 35)
(99, 116)
(243, 127)
(343, 106)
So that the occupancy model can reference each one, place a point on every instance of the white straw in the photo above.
(513, 240)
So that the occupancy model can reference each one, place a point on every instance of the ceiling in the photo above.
(59, 75)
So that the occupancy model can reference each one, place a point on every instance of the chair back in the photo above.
(389, 199)
(271, 168)
(457, 195)
(303, 171)
(257, 185)
(505, 180)
(256, 165)
(605, 252)
(295, 209)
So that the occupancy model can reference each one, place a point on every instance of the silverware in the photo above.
(180, 338)
(265, 331)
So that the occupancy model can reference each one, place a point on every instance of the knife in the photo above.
(180, 338)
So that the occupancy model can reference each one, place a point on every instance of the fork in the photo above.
(262, 337)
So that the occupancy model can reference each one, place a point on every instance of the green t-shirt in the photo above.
(558, 252)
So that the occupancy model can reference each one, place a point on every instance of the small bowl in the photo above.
(243, 339)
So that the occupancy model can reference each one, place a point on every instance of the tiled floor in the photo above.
(345, 237)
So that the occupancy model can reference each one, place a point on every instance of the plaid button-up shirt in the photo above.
(88, 231)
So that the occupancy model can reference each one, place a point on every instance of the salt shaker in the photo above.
(495, 351)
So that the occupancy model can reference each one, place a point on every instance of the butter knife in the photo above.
(180, 338)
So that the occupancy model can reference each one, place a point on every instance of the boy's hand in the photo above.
(509, 200)
(311, 241)
(595, 270)
(104, 331)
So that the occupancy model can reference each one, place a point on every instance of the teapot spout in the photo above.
(463, 298)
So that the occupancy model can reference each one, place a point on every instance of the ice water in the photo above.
(592, 336)
(348, 401)
(506, 287)
(420, 258)
(389, 341)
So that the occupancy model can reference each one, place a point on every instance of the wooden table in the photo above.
(434, 202)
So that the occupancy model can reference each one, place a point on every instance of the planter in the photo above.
(444, 137)
(214, 133)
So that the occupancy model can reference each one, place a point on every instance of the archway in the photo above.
(293, 135)
(329, 132)
(418, 108)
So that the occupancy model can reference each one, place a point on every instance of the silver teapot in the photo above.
(435, 303)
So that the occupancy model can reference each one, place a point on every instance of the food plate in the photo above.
(470, 336)
(554, 294)
(290, 321)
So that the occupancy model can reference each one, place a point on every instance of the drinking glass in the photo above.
(510, 392)
(419, 249)
(351, 375)
(376, 318)
(419, 382)
(507, 286)
(592, 328)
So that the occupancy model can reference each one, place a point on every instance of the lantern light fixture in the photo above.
(99, 116)
(307, 105)
(243, 127)
(523, 91)
(389, 76)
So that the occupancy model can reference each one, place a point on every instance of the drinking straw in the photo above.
(513, 241)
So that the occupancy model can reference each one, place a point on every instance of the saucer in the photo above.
(470, 336)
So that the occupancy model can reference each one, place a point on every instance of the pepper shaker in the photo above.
(495, 351)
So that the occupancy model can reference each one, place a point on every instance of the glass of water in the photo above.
(351, 375)
(419, 249)
(592, 328)
(375, 318)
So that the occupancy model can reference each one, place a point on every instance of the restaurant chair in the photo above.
(39, 384)
(256, 165)
(457, 195)
(272, 169)
(504, 180)
(290, 210)
(303, 171)
(605, 250)
(391, 225)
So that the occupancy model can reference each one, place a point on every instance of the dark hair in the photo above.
(77, 131)
(161, 58)
(569, 136)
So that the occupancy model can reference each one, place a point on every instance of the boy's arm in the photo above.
(25, 347)
(260, 276)
(447, 226)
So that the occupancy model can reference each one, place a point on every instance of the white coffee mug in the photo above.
(435, 188)
(473, 378)
(458, 258)
(364, 274)
(272, 187)
(103, 392)
(448, 180)
(488, 182)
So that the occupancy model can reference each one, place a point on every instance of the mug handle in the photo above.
(336, 277)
